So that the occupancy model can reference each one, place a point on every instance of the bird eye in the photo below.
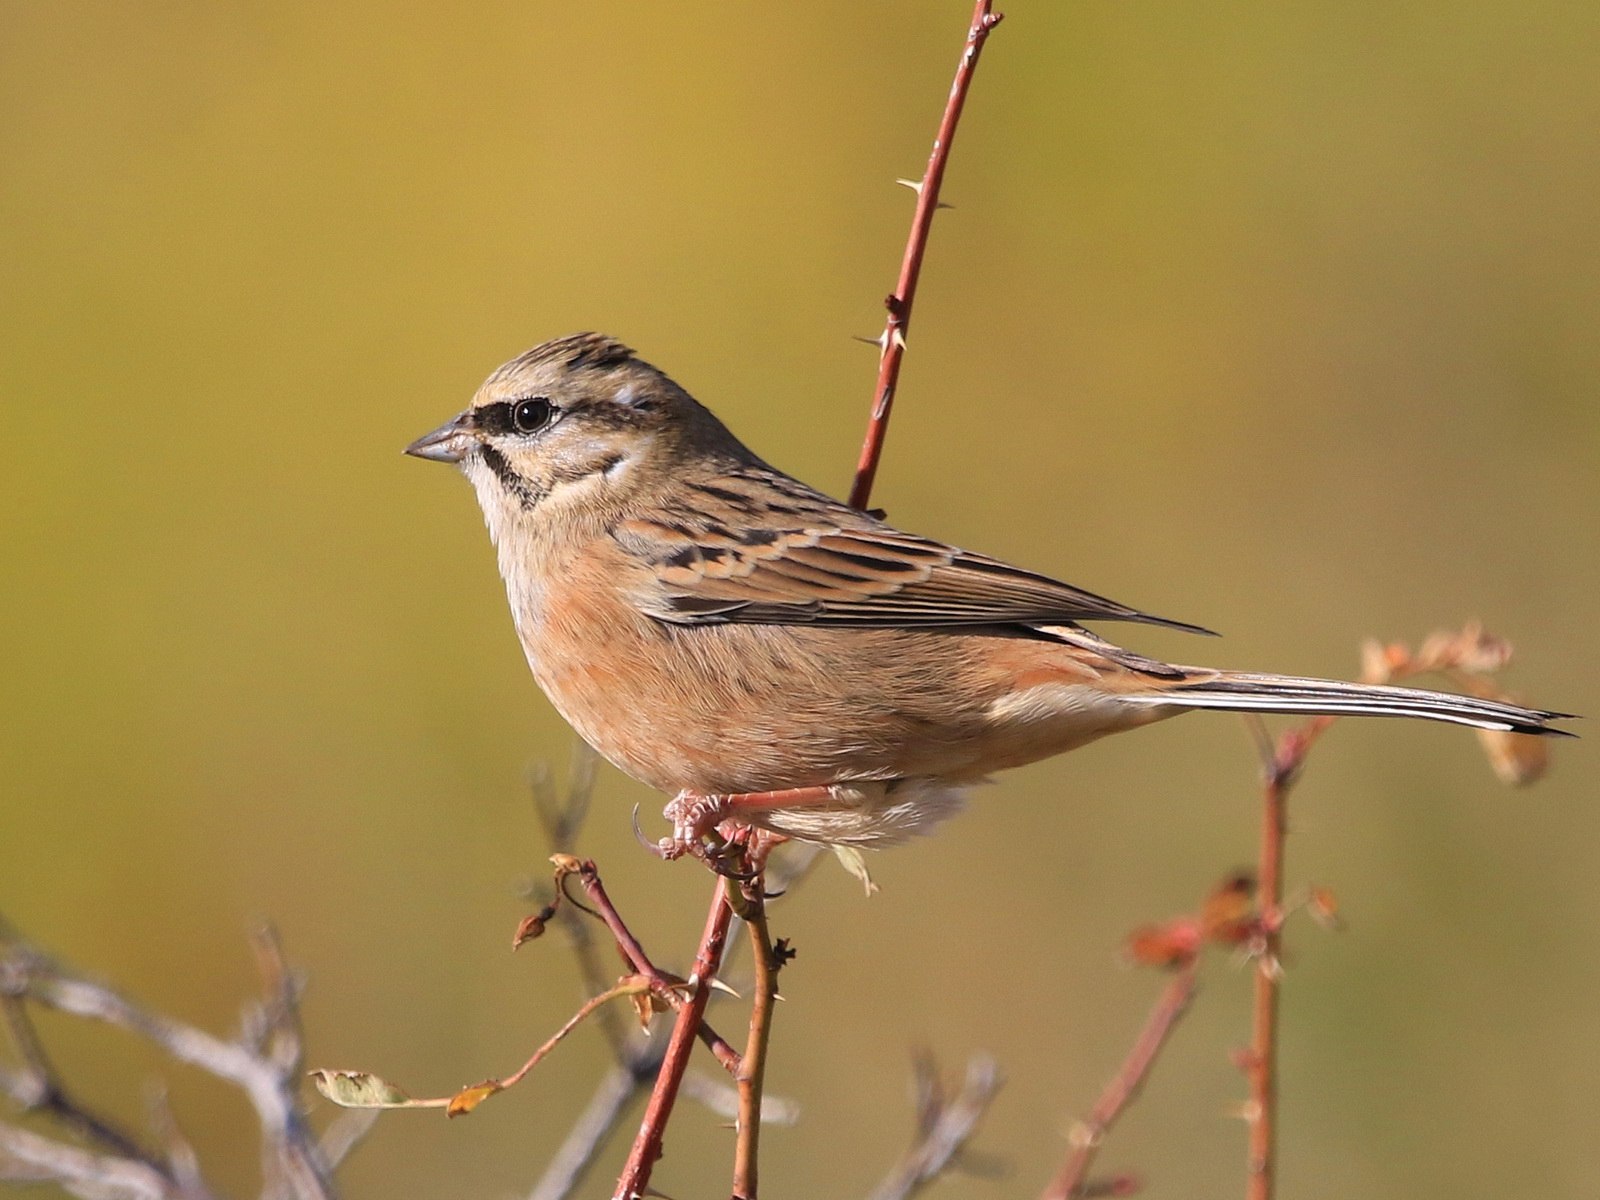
(531, 415)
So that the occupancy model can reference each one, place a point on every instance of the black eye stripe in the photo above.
(527, 415)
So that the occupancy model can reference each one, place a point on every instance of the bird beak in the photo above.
(448, 443)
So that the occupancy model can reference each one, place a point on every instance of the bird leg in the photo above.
(695, 817)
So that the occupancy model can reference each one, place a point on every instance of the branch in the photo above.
(1469, 656)
(638, 1056)
(647, 1146)
(31, 1158)
(39, 1088)
(662, 986)
(1072, 1182)
(943, 1128)
(767, 961)
(264, 1064)
(612, 1096)
(892, 343)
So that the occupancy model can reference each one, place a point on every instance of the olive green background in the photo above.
(1280, 319)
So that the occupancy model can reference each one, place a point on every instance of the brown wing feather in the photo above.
(833, 566)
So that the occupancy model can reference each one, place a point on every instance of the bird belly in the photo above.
(744, 708)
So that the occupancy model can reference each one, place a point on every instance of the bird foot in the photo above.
(695, 819)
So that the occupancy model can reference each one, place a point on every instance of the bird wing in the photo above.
(769, 550)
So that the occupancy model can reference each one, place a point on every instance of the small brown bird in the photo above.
(721, 631)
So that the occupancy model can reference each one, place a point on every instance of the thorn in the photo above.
(717, 985)
(914, 184)
(898, 339)
(778, 995)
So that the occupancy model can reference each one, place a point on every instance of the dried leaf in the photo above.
(1228, 916)
(643, 1008)
(852, 860)
(1169, 945)
(360, 1089)
(469, 1098)
(1517, 758)
(567, 864)
(1479, 651)
(1323, 906)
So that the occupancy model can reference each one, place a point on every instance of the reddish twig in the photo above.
(892, 344)
(1281, 768)
(646, 1150)
(663, 987)
(647, 1146)
(1072, 1182)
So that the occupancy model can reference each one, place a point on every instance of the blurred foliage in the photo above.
(1276, 318)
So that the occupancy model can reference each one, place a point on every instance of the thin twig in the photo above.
(752, 1072)
(1072, 1181)
(647, 1146)
(38, 1087)
(1261, 1066)
(565, 1171)
(347, 1131)
(661, 986)
(635, 1177)
(183, 1164)
(892, 343)
(561, 817)
(943, 1127)
(287, 1142)
(638, 1056)
(27, 1157)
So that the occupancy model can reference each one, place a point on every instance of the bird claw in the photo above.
(695, 834)
(658, 848)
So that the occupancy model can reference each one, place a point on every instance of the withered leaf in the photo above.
(361, 1089)
(469, 1098)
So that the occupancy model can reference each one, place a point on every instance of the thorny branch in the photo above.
(638, 1056)
(635, 1177)
(647, 1147)
(1469, 658)
(892, 342)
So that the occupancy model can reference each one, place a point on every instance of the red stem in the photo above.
(647, 1146)
(892, 346)
(1262, 1067)
(660, 986)
(1072, 1179)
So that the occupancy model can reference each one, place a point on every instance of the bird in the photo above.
(771, 657)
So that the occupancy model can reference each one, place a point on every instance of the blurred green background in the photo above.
(1278, 319)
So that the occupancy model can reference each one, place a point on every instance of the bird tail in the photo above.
(1239, 691)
